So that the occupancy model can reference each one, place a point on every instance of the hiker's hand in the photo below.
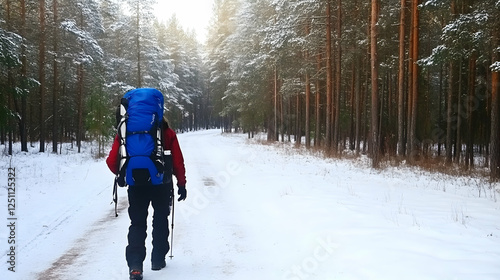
(182, 192)
(120, 180)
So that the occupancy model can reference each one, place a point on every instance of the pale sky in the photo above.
(192, 14)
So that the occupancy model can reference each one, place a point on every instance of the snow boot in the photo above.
(135, 274)
(158, 265)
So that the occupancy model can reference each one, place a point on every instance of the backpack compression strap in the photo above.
(122, 151)
(157, 154)
(122, 135)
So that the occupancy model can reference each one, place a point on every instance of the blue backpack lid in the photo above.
(143, 104)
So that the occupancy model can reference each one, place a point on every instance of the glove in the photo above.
(182, 192)
(120, 180)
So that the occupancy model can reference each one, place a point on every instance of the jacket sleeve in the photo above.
(172, 144)
(113, 160)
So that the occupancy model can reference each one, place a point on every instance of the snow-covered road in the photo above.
(258, 212)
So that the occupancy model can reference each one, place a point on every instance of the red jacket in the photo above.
(170, 143)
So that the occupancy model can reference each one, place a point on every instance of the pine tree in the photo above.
(142, 14)
(374, 147)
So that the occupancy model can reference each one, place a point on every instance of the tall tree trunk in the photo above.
(458, 145)
(414, 80)
(495, 117)
(10, 86)
(449, 114)
(282, 119)
(374, 147)
(24, 71)
(276, 133)
(359, 102)
(381, 110)
(307, 127)
(308, 111)
(317, 131)
(409, 100)
(298, 121)
(440, 109)
(55, 93)
(328, 140)
(449, 109)
(10, 125)
(272, 125)
(365, 100)
(352, 100)
(338, 76)
(80, 73)
(289, 121)
(469, 157)
(2, 135)
(138, 43)
(79, 128)
(41, 75)
(401, 79)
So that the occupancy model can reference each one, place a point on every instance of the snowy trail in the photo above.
(263, 212)
(82, 250)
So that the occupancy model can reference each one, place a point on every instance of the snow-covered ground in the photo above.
(254, 212)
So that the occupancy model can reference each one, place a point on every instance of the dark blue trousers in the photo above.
(139, 198)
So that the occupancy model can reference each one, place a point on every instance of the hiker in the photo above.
(160, 196)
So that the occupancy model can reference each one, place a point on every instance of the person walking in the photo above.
(160, 197)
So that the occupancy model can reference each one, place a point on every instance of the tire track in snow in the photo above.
(212, 170)
(55, 224)
(59, 268)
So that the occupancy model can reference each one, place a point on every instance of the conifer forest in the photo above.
(413, 81)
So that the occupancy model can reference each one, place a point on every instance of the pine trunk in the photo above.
(449, 108)
(307, 127)
(374, 147)
(41, 76)
(55, 93)
(352, 138)
(138, 45)
(276, 132)
(79, 129)
(308, 111)
(298, 121)
(80, 73)
(359, 102)
(10, 84)
(495, 119)
(414, 81)
(401, 79)
(469, 157)
(338, 75)
(24, 70)
(317, 133)
(328, 139)
(449, 115)
(458, 145)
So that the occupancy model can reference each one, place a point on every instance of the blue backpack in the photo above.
(140, 134)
